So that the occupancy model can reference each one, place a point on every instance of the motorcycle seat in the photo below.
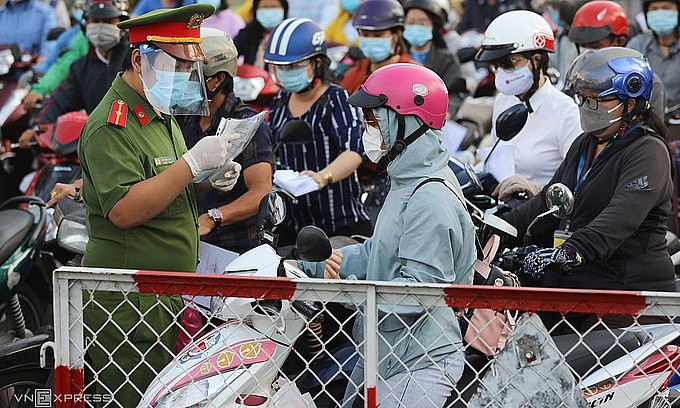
(16, 225)
(595, 349)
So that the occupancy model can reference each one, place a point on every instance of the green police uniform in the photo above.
(113, 159)
(123, 143)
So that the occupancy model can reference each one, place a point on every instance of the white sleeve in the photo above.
(571, 129)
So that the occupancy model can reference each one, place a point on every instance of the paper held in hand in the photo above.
(245, 128)
(294, 183)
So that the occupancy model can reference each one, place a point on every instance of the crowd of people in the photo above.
(158, 79)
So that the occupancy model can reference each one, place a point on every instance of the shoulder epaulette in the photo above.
(118, 114)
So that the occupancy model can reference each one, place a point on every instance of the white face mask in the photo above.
(373, 139)
(515, 82)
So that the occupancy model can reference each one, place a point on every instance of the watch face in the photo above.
(215, 215)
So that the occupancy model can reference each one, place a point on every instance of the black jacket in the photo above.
(247, 41)
(446, 65)
(619, 215)
(85, 85)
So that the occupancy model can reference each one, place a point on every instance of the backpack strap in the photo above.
(484, 256)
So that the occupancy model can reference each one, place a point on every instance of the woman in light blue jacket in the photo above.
(423, 234)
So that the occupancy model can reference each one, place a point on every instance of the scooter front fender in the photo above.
(230, 361)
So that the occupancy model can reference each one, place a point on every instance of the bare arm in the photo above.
(339, 169)
(148, 198)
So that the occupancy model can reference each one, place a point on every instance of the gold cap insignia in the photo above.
(195, 21)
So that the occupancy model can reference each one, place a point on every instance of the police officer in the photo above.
(139, 197)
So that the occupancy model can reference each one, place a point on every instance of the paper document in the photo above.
(501, 164)
(245, 128)
(453, 134)
(294, 183)
(212, 260)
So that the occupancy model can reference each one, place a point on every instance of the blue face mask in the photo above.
(78, 15)
(376, 49)
(191, 96)
(662, 22)
(418, 35)
(269, 17)
(350, 6)
(555, 15)
(168, 91)
(294, 80)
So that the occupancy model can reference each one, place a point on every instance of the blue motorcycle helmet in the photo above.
(294, 40)
(622, 72)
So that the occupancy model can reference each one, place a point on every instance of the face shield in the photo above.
(171, 85)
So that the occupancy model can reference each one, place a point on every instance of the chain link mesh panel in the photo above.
(131, 338)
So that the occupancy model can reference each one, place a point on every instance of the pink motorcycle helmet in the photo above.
(407, 89)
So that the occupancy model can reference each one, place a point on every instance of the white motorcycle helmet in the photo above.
(515, 32)
(519, 32)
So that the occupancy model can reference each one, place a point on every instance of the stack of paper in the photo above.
(245, 128)
(294, 183)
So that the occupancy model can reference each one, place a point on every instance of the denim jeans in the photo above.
(423, 388)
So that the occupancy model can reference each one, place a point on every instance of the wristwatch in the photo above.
(215, 215)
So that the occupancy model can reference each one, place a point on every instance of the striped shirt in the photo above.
(240, 236)
(337, 127)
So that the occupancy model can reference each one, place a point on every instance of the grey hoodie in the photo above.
(426, 237)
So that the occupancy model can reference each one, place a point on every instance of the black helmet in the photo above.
(106, 9)
(376, 15)
(438, 13)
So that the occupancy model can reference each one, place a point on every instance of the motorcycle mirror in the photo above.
(313, 245)
(511, 121)
(296, 132)
(466, 54)
(272, 210)
(559, 198)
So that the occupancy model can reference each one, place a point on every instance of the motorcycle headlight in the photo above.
(72, 236)
(248, 88)
(189, 396)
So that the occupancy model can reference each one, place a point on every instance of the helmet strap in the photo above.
(401, 143)
(534, 86)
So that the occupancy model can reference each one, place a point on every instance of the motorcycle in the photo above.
(615, 368)
(247, 351)
(56, 146)
(254, 86)
(13, 119)
(23, 313)
(25, 363)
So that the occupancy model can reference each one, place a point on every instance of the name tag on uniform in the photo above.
(163, 161)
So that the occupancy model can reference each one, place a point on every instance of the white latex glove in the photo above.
(514, 184)
(226, 177)
(209, 153)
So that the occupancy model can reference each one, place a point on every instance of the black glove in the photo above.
(535, 263)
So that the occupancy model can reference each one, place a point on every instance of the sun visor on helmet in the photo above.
(585, 35)
(492, 52)
(363, 99)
